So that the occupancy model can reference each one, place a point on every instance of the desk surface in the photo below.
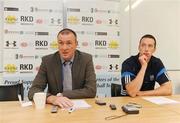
(11, 112)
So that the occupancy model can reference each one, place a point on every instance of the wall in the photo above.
(97, 27)
(175, 78)
(158, 17)
(162, 19)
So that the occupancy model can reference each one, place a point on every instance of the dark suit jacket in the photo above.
(50, 73)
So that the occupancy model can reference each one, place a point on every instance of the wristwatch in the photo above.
(59, 94)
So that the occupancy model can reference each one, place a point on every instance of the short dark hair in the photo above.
(149, 36)
(67, 31)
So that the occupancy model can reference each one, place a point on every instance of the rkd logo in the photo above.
(100, 43)
(26, 66)
(87, 19)
(41, 43)
(26, 18)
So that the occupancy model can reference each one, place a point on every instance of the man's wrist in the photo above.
(144, 66)
(59, 94)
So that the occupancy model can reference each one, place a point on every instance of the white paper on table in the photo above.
(80, 104)
(160, 100)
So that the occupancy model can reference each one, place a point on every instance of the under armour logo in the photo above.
(116, 67)
(13, 43)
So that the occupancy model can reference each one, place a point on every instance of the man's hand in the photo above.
(139, 93)
(133, 87)
(164, 90)
(143, 60)
(61, 101)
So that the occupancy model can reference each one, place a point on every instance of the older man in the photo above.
(68, 73)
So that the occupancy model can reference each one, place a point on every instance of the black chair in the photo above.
(116, 90)
(10, 92)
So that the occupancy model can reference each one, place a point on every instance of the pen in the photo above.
(114, 117)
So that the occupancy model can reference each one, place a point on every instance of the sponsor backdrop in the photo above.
(30, 29)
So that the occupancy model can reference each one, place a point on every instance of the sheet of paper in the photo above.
(80, 104)
(25, 104)
(160, 100)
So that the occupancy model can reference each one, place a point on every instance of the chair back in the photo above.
(115, 90)
(10, 92)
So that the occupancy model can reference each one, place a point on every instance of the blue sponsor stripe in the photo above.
(127, 74)
(163, 70)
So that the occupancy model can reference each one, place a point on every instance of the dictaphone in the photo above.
(130, 109)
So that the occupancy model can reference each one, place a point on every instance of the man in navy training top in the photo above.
(139, 73)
